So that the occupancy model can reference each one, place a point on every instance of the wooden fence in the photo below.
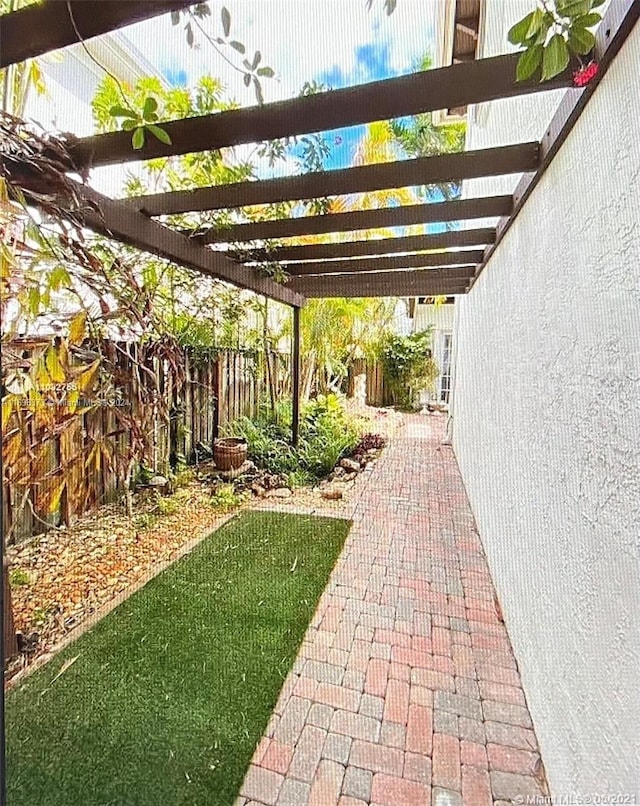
(217, 390)
(375, 388)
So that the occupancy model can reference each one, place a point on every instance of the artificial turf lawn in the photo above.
(172, 690)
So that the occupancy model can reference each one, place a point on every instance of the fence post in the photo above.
(295, 379)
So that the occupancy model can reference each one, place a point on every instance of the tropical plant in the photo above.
(327, 432)
(336, 331)
(419, 136)
(552, 34)
(408, 366)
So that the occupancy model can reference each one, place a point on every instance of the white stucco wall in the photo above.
(546, 429)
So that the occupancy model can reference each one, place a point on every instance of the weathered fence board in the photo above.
(217, 390)
(376, 394)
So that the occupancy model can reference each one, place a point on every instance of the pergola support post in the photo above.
(295, 379)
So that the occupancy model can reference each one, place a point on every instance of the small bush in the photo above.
(183, 478)
(167, 506)
(225, 498)
(144, 521)
(18, 576)
(327, 433)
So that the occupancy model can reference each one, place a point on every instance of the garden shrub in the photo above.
(327, 433)
(408, 366)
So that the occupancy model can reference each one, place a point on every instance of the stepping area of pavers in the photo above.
(405, 691)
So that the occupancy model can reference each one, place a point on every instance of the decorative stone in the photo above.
(280, 492)
(350, 465)
(158, 481)
(348, 477)
(331, 494)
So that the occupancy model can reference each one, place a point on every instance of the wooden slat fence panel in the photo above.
(218, 389)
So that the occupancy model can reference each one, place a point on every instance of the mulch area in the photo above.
(62, 577)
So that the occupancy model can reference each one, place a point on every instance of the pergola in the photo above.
(423, 265)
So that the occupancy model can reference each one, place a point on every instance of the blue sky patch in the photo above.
(176, 76)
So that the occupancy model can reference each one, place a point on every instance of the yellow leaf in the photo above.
(7, 411)
(72, 400)
(85, 379)
(63, 356)
(54, 367)
(77, 328)
(11, 450)
(54, 502)
(94, 456)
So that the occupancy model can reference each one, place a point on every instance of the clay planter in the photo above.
(229, 453)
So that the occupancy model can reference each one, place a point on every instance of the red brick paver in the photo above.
(405, 691)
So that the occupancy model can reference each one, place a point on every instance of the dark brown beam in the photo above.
(403, 216)
(295, 379)
(444, 88)
(362, 179)
(118, 221)
(386, 284)
(378, 246)
(463, 258)
(39, 29)
(619, 20)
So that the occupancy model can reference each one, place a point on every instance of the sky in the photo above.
(337, 43)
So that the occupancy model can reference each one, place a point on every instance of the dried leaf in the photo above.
(54, 367)
(77, 328)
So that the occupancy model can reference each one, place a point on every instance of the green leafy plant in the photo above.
(144, 521)
(225, 498)
(551, 34)
(327, 433)
(408, 366)
(141, 122)
(18, 576)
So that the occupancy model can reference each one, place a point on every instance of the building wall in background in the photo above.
(546, 428)
(440, 318)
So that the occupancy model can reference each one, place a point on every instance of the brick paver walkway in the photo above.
(405, 691)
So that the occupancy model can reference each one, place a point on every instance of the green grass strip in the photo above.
(170, 692)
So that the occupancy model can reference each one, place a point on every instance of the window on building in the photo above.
(445, 369)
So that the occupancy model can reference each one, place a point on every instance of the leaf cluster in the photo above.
(551, 34)
(252, 68)
(141, 122)
(408, 365)
(327, 433)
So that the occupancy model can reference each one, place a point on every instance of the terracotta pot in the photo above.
(229, 453)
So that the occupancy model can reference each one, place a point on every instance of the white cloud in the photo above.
(299, 39)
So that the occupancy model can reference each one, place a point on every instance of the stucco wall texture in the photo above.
(546, 429)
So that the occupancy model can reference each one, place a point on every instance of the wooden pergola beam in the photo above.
(360, 265)
(427, 91)
(378, 246)
(402, 216)
(116, 220)
(48, 26)
(429, 282)
(510, 159)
